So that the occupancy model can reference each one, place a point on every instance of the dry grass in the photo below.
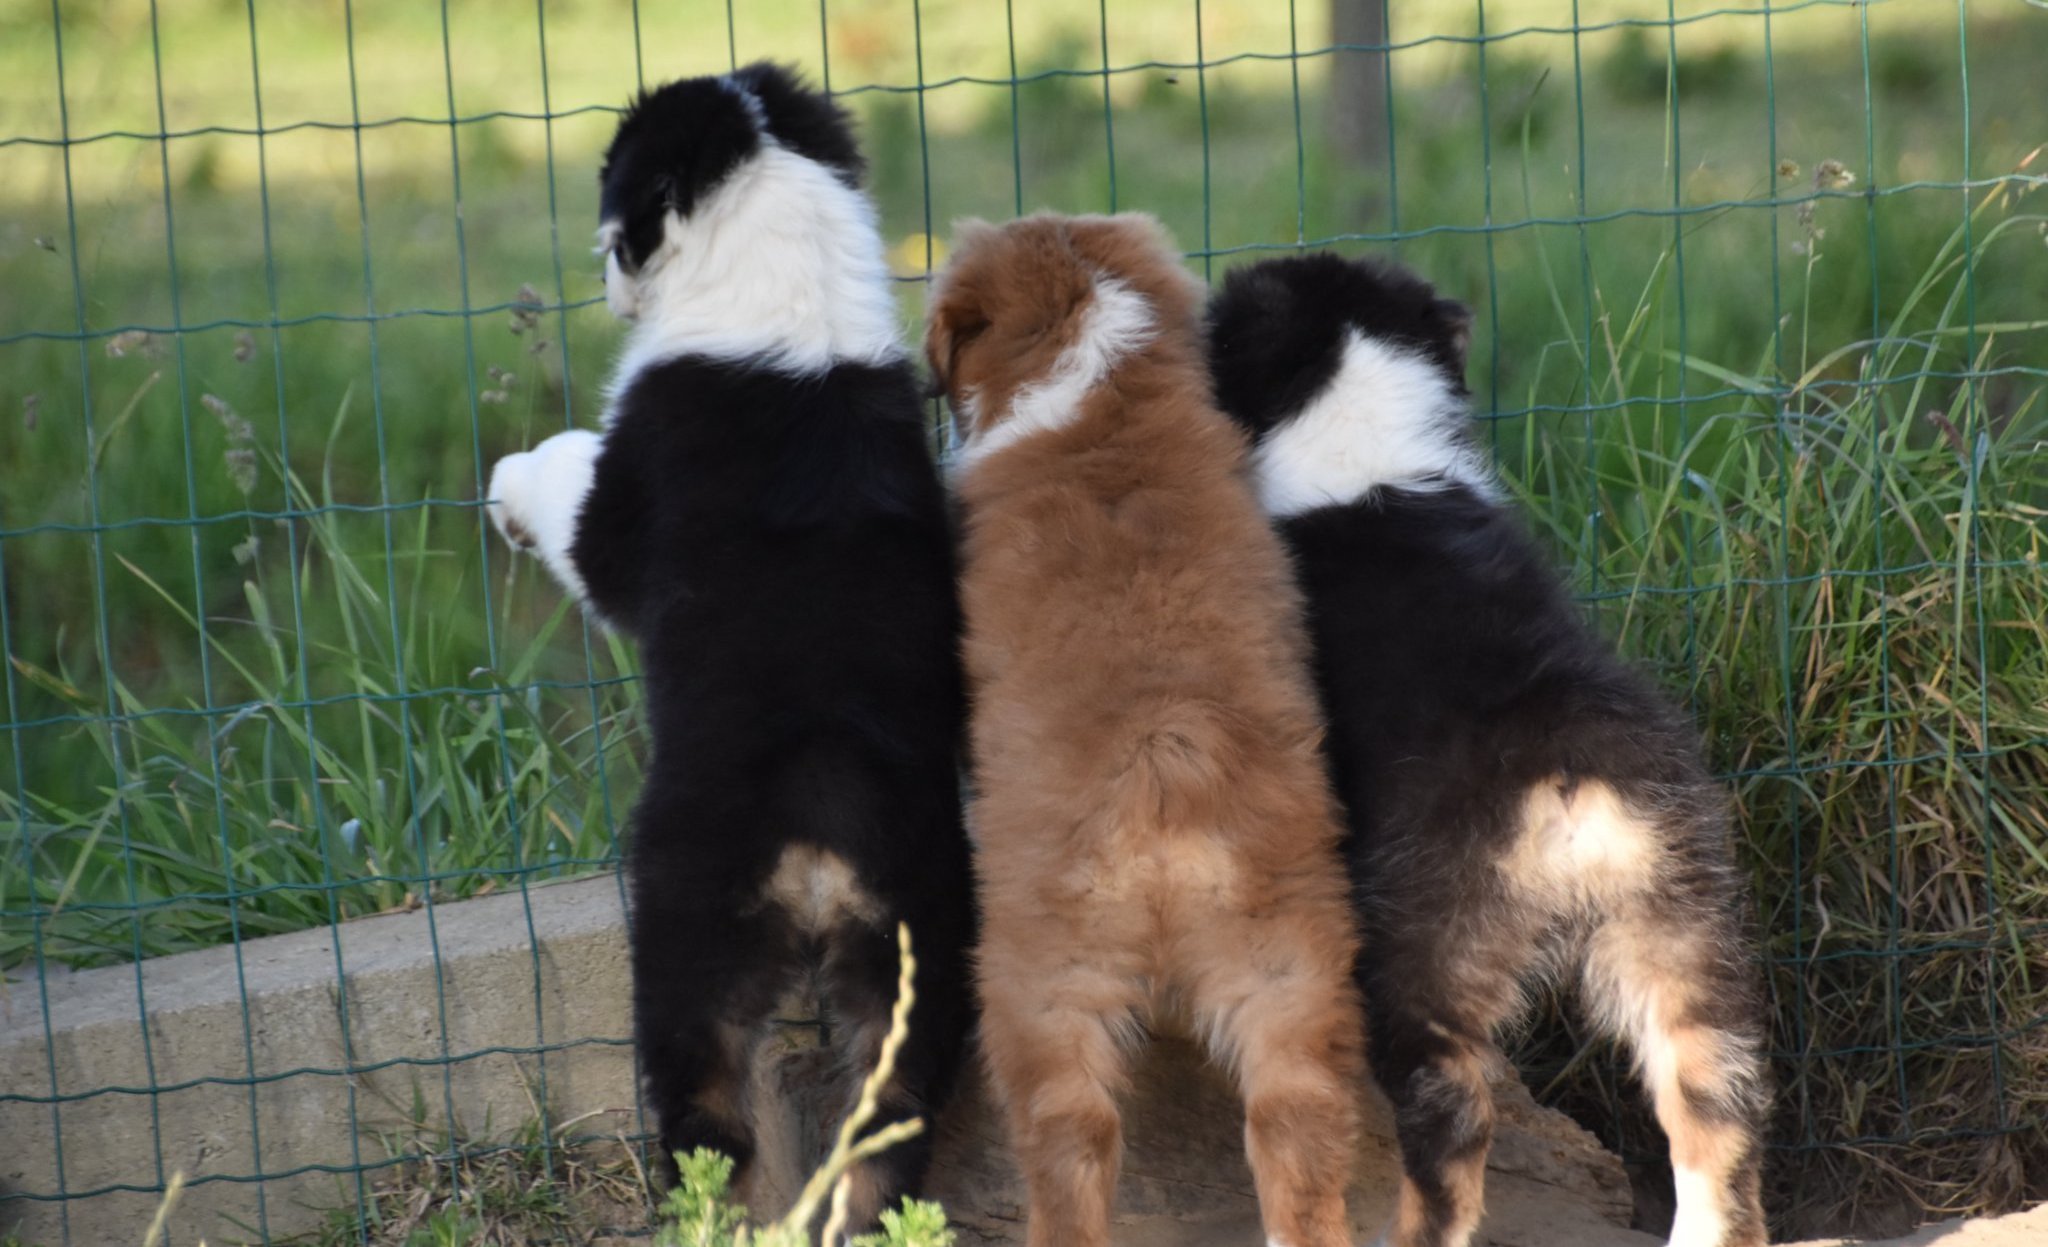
(447, 1190)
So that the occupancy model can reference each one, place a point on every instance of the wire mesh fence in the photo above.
(1760, 342)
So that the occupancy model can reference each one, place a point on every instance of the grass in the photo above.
(450, 1192)
(1783, 427)
(1865, 649)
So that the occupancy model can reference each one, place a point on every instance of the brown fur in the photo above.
(1152, 817)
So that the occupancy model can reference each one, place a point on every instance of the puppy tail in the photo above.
(1180, 766)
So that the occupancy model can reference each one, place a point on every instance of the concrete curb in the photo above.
(263, 1155)
(518, 1010)
(553, 1004)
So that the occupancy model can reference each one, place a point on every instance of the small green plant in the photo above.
(698, 1212)
(450, 1227)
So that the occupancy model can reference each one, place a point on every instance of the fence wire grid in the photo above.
(1759, 342)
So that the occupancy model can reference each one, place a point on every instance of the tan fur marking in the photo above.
(1465, 1182)
(870, 1182)
(1411, 1217)
(726, 1095)
(1695, 1057)
(1709, 1147)
(864, 1196)
(1463, 1176)
(1580, 845)
(1641, 980)
(1468, 1190)
(819, 890)
(1704, 1153)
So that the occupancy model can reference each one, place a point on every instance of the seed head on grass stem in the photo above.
(698, 1214)
(836, 1173)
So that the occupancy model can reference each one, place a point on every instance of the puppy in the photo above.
(1151, 819)
(762, 514)
(1522, 803)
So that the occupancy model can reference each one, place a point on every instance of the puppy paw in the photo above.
(508, 496)
(536, 496)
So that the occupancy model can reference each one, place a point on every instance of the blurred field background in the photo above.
(1762, 297)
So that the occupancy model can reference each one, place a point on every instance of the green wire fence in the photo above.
(1762, 329)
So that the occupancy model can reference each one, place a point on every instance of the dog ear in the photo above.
(957, 318)
(1457, 324)
(954, 316)
(803, 119)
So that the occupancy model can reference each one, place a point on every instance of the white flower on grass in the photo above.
(129, 342)
(240, 456)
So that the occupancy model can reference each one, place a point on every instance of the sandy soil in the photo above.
(1533, 1224)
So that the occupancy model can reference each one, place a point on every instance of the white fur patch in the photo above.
(536, 497)
(782, 265)
(1388, 418)
(621, 292)
(1116, 322)
(1700, 1221)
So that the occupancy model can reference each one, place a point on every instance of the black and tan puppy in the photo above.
(1523, 804)
(761, 514)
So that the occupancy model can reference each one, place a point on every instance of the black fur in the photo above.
(779, 547)
(1458, 677)
(1277, 330)
(679, 142)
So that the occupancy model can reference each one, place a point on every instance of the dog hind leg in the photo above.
(1443, 1116)
(698, 1009)
(1438, 982)
(1276, 1004)
(1056, 1057)
(1675, 987)
(859, 981)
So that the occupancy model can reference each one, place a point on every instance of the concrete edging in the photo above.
(504, 995)
(555, 1002)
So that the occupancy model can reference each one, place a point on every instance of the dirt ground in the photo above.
(1549, 1183)
(2020, 1229)
(1184, 1181)
(1524, 1225)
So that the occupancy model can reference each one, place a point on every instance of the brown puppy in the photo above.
(1152, 821)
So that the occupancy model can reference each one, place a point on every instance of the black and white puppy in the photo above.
(761, 513)
(1523, 804)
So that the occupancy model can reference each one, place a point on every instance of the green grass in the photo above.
(267, 670)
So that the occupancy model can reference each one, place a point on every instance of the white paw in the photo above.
(1699, 1221)
(507, 496)
(536, 496)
